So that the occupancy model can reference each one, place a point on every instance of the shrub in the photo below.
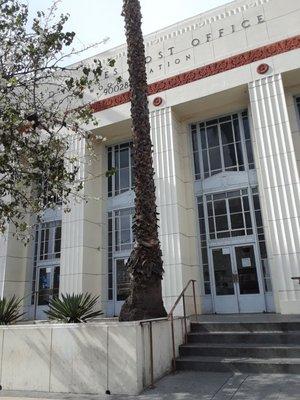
(73, 308)
(10, 310)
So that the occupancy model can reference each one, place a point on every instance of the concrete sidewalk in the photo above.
(197, 386)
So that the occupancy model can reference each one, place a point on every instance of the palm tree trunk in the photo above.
(145, 262)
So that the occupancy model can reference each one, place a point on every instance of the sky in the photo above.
(94, 20)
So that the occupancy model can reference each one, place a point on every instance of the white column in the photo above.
(82, 228)
(175, 205)
(279, 187)
(14, 260)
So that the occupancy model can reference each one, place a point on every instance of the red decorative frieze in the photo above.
(215, 68)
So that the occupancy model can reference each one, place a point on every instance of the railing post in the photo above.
(35, 306)
(184, 316)
(151, 356)
(173, 345)
(195, 303)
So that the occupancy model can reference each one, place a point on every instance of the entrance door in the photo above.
(237, 282)
(121, 286)
(47, 287)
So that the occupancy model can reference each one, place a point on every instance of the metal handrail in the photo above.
(171, 317)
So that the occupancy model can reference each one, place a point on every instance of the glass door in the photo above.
(249, 280)
(224, 281)
(237, 282)
(122, 282)
(47, 287)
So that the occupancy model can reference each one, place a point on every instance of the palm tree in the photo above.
(145, 262)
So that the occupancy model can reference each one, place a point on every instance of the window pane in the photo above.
(125, 222)
(211, 225)
(229, 155)
(124, 158)
(202, 226)
(124, 178)
(256, 202)
(246, 128)
(200, 211)
(204, 256)
(226, 133)
(203, 139)
(237, 221)
(263, 249)
(209, 209)
(212, 136)
(56, 281)
(248, 220)
(239, 152)
(197, 165)
(194, 141)
(237, 130)
(220, 207)
(246, 203)
(221, 223)
(205, 161)
(235, 205)
(215, 159)
(249, 152)
(258, 218)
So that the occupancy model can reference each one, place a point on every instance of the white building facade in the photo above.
(224, 98)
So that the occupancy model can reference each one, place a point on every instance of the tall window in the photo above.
(231, 214)
(46, 261)
(222, 144)
(298, 104)
(120, 161)
(120, 240)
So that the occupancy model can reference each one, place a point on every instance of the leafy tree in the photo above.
(44, 107)
(145, 263)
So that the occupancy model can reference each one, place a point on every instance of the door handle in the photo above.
(235, 278)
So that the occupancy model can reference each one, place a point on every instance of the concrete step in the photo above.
(246, 337)
(245, 326)
(239, 364)
(240, 350)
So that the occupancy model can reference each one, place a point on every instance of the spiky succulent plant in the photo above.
(10, 310)
(73, 308)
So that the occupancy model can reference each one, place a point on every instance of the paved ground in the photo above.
(198, 386)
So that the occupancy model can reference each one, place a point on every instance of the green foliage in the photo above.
(10, 310)
(73, 308)
(44, 106)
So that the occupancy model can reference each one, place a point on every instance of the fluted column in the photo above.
(82, 268)
(279, 187)
(175, 205)
(14, 261)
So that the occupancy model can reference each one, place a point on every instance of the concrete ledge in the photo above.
(85, 358)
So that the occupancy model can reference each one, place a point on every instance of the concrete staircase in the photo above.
(246, 347)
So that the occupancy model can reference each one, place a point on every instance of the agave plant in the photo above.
(10, 310)
(73, 308)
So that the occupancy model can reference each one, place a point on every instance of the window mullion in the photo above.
(228, 215)
(221, 147)
(237, 164)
